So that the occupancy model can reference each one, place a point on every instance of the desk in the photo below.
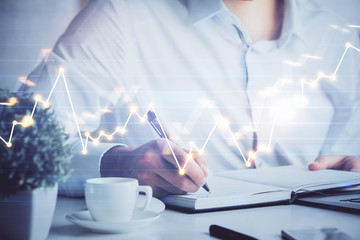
(263, 223)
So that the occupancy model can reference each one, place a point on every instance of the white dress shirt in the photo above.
(196, 64)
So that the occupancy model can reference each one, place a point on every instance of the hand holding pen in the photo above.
(153, 164)
(162, 133)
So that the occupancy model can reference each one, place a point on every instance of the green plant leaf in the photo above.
(39, 155)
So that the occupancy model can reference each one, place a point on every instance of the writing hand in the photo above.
(154, 165)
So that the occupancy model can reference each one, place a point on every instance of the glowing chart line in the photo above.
(28, 119)
(332, 76)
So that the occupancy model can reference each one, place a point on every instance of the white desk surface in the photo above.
(262, 223)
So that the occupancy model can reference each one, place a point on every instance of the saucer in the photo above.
(156, 205)
(139, 219)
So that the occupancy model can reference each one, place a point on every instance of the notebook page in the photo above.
(228, 192)
(220, 187)
(295, 177)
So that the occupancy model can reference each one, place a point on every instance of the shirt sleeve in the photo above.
(92, 52)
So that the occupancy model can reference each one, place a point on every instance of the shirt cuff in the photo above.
(84, 167)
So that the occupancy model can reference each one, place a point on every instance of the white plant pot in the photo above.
(28, 214)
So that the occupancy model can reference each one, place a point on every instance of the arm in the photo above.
(94, 52)
(84, 51)
(341, 148)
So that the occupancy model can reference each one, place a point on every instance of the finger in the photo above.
(193, 170)
(155, 181)
(324, 162)
(202, 161)
(168, 149)
(171, 175)
(153, 162)
(348, 163)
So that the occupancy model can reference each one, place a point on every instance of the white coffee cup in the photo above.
(113, 199)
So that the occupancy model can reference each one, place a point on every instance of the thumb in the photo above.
(324, 162)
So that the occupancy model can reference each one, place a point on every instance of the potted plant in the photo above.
(33, 158)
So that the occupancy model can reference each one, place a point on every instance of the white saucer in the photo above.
(155, 205)
(139, 219)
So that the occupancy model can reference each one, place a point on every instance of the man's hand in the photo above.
(154, 165)
(347, 163)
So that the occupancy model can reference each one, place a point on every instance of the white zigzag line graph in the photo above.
(332, 76)
(28, 120)
(119, 130)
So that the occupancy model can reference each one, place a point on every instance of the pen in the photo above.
(224, 233)
(155, 124)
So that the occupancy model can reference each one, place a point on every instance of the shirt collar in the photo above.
(202, 10)
(292, 22)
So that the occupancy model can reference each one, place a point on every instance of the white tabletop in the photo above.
(262, 223)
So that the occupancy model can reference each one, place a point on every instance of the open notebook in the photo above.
(249, 187)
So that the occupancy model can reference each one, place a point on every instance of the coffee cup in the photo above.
(113, 199)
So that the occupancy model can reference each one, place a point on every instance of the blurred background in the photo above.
(27, 27)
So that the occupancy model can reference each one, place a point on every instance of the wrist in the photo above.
(114, 161)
